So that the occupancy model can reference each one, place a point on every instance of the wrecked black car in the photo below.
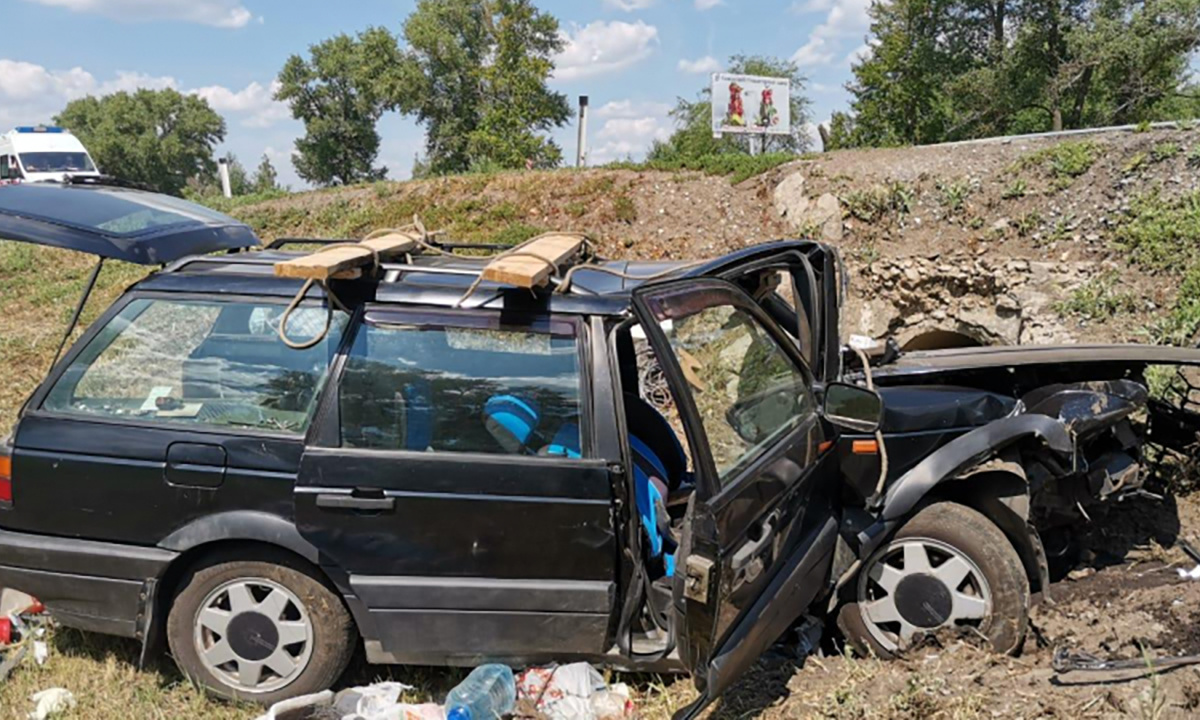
(265, 458)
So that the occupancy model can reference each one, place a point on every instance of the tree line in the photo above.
(475, 75)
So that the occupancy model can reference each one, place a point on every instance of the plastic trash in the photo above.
(6, 632)
(613, 704)
(41, 651)
(488, 693)
(426, 711)
(284, 708)
(51, 702)
(563, 692)
(372, 702)
(1193, 574)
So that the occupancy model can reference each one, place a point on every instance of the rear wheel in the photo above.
(259, 631)
(948, 568)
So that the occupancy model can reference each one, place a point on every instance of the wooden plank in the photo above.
(346, 261)
(525, 269)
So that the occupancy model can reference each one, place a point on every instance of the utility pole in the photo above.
(223, 170)
(581, 153)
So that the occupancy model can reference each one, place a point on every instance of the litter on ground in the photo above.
(489, 692)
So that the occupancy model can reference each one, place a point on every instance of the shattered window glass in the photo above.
(206, 363)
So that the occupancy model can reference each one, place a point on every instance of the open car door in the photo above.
(760, 532)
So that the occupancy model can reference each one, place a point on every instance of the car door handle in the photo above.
(747, 553)
(354, 502)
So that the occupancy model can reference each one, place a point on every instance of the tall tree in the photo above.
(265, 178)
(474, 73)
(693, 136)
(956, 69)
(335, 97)
(159, 138)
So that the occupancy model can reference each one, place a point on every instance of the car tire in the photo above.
(259, 631)
(972, 570)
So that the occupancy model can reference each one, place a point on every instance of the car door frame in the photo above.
(797, 580)
(374, 598)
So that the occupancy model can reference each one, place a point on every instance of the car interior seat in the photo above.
(511, 421)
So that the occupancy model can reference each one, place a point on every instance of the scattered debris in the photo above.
(304, 707)
(1100, 670)
(572, 692)
(51, 702)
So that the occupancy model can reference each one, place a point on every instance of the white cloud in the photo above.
(799, 7)
(845, 20)
(700, 66)
(216, 13)
(629, 128)
(631, 109)
(31, 94)
(604, 47)
(255, 102)
(708, 4)
(629, 5)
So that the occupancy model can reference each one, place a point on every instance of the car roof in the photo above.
(601, 287)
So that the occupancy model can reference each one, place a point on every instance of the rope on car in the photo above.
(883, 458)
(518, 252)
(329, 306)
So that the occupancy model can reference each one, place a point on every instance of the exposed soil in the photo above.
(1130, 605)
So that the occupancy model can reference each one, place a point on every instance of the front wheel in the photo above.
(259, 631)
(948, 568)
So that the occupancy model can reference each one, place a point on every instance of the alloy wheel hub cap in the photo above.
(253, 635)
(918, 585)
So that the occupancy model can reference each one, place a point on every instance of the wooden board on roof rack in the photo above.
(532, 263)
(341, 262)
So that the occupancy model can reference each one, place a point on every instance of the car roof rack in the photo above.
(530, 265)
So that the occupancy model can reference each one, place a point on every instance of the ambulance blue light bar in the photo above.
(39, 129)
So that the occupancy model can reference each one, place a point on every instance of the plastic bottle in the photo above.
(488, 693)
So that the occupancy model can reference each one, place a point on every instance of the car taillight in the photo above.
(6, 490)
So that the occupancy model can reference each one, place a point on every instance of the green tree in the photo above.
(957, 69)
(159, 138)
(474, 74)
(265, 178)
(239, 179)
(693, 136)
(333, 93)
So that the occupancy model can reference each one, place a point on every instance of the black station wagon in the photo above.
(660, 466)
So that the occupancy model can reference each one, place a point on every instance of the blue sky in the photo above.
(632, 57)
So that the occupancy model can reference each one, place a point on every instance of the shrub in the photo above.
(1098, 299)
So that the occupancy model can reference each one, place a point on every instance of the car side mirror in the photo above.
(853, 407)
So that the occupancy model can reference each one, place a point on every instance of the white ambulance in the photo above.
(42, 153)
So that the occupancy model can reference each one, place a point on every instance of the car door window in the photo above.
(200, 363)
(436, 386)
(747, 390)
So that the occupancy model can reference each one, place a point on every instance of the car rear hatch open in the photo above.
(98, 217)
(116, 223)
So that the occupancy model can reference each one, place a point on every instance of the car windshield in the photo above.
(43, 162)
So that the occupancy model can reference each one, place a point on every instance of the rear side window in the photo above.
(483, 389)
(200, 363)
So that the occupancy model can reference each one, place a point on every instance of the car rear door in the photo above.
(760, 532)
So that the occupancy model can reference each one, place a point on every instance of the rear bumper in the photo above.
(94, 586)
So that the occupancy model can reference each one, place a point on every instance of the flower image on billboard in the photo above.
(751, 104)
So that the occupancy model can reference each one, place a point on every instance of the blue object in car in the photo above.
(511, 420)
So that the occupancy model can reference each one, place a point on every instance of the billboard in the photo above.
(751, 104)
